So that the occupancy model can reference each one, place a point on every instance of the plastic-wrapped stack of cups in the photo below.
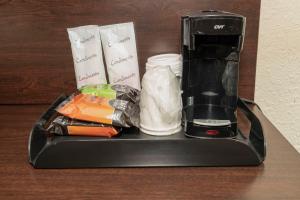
(160, 101)
(171, 59)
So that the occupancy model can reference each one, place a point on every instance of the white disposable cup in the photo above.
(170, 57)
(153, 121)
(160, 132)
(172, 60)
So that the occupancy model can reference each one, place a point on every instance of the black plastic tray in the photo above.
(134, 149)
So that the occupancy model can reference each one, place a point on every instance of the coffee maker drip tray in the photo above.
(210, 115)
(209, 121)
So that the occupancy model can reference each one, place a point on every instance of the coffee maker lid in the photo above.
(213, 14)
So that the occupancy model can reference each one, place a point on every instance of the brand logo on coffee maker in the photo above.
(219, 26)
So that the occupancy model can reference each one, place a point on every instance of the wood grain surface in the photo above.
(278, 178)
(35, 56)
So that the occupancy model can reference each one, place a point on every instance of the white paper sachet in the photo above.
(119, 46)
(87, 55)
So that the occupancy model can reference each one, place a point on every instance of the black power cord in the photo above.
(248, 101)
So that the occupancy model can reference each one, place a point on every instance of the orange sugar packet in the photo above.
(65, 126)
(100, 110)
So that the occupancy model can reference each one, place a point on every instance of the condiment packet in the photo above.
(87, 55)
(122, 92)
(65, 126)
(119, 46)
(100, 110)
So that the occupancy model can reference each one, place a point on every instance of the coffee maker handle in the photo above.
(256, 136)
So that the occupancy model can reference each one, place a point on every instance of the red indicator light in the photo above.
(212, 132)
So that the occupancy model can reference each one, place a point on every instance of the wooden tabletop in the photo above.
(277, 178)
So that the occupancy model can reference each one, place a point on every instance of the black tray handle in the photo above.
(256, 136)
(38, 136)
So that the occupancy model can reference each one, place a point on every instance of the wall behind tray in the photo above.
(35, 56)
(278, 72)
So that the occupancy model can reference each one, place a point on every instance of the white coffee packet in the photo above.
(119, 46)
(87, 55)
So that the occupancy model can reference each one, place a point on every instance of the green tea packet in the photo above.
(122, 92)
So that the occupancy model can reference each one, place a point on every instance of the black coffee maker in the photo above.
(211, 45)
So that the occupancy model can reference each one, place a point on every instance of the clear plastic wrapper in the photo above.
(160, 104)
